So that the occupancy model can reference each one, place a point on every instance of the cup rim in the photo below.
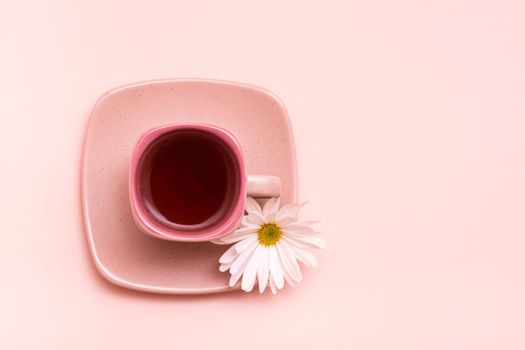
(148, 224)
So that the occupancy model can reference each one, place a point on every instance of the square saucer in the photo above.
(121, 252)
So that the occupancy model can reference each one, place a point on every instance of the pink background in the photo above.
(409, 123)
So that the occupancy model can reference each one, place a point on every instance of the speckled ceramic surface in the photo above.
(123, 254)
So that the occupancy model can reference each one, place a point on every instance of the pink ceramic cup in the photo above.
(202, 157)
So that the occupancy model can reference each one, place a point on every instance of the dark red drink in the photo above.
(186, 177)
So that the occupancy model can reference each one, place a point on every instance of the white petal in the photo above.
(276, 270)
(263, 271)
(305, 241)
(233, 239)
(224, 267)
(245, 229)
(299, 236)
(235, 276)
(246, 222)
(271, 207)
(305, 257)
(219, 242)
(286, 221)
(288, 261)
(239, 263)
(297, 228)
(272, 287)
(293, 243)
(256, 218)
(290, 209)
(250, 271)
(237, 235)
(252, 206)
(228, 255)
(288, 278)
(245, 243)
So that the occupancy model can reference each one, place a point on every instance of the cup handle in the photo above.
(263, 186)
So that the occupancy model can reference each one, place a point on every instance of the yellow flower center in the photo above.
(269, 234)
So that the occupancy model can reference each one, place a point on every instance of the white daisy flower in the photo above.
(268, 245)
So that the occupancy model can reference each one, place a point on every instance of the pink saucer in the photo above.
(124, 255)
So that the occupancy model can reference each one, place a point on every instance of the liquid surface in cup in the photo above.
(189, 176)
